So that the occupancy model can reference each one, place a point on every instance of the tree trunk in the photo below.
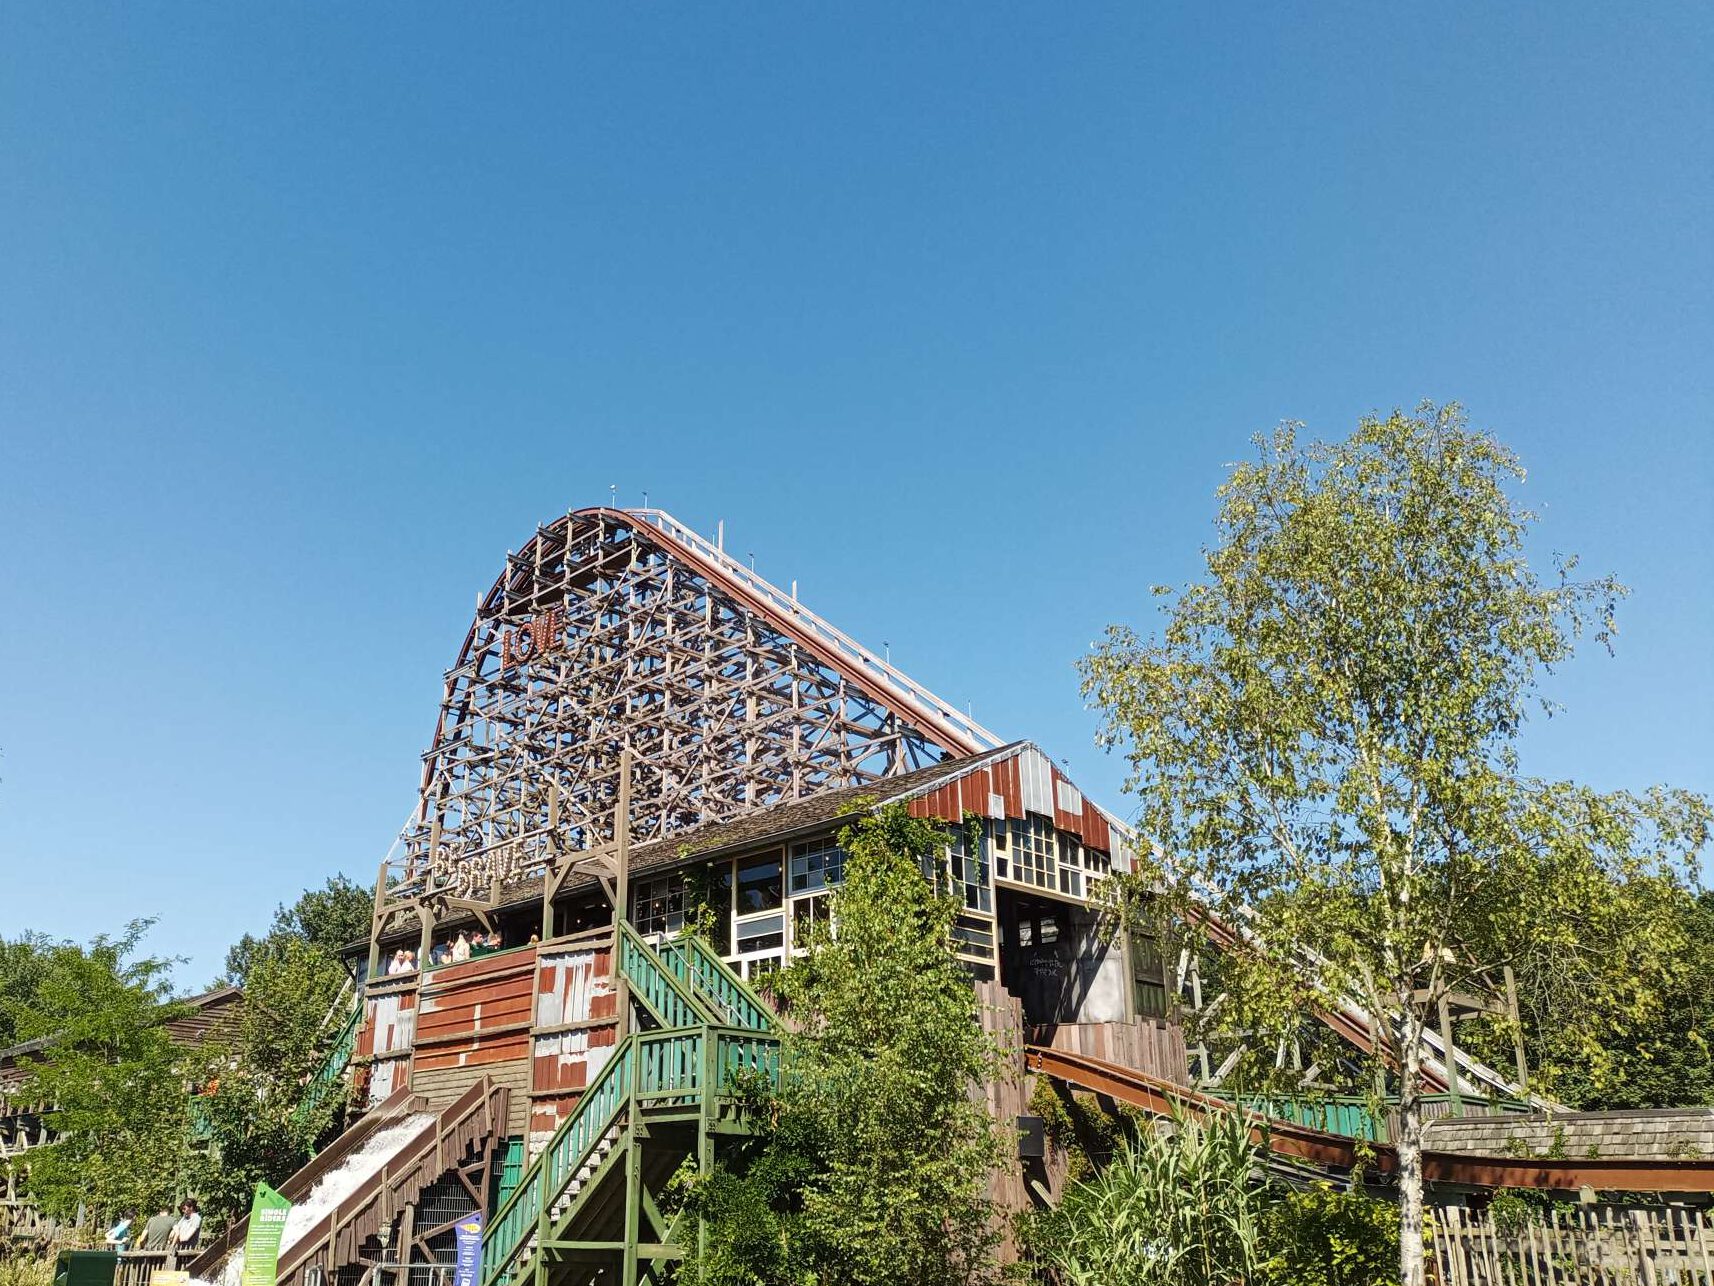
(1409, 1148)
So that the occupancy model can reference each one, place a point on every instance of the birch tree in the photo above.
(1325, 731)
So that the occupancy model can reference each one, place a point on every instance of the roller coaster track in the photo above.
(1333, 1151)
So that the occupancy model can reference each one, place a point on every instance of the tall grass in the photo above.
(26, 1270)
(1181, 1207)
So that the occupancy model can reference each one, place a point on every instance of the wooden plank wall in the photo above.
(1015, 1185)
(1145, 1045)
(473, 1020)
(387, 1036)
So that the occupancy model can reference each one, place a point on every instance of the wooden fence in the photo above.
(1581, 1246)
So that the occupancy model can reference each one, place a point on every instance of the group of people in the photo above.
(458, 949)
(162, 1232)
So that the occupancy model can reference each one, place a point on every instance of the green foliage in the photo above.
(23, 967)
(258, 1077)
(1647, 1049)
(1325, 731)
(1175, 1207)
(873, 1166)
(142, 1120)
(1077, 1125)
(326, 918)
(113, 1074)
(1326, 1237)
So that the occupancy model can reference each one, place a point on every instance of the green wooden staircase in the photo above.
(333, 1064)
(588, 1207)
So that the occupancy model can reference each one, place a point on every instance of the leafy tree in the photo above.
(1326, 1237)
(1325, 731)
(121, 1111)
(1648, 1055)
(873, 1166)
(23, 966)
(326, 918)
(253, 1104)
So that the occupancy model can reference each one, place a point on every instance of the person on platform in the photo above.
(460, 948)
(119, 1235)
(438, 954)
(394, 965)
(159, 1230)
(188, 1230)
(409, 961)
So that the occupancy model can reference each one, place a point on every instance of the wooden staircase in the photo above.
(591, 1200)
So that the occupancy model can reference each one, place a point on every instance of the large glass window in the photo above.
(816, 864)
(759, 885)
(765, 934)
(657, 905)
(1033, 851)
(970, 873)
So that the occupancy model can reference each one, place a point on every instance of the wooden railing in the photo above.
(684, 1066)
(694, 962)
(1576, 1246)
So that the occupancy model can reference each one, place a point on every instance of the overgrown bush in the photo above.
(1188, 1205)
(1325, 1237)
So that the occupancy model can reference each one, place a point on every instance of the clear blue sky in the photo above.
(308, 313)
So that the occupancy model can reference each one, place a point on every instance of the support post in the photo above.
(1451, 1058)
(622, 891)
(1517, 1030)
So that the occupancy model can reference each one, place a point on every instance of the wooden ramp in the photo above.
(460, 1136)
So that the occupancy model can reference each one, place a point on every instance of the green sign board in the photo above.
(262, 1240)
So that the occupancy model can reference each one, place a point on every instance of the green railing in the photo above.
(686, 1064)
(544, 1178)
(654, 1069)
(671, 1001)
(692, 961)
(333, 1066)
(1354, 1117)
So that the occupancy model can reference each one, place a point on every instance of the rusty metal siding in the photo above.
(477, 1011)
(576, 1016)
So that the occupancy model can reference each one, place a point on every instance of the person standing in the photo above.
(158, 1230)
(188, 1230)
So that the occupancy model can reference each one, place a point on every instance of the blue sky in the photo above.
(309, 313)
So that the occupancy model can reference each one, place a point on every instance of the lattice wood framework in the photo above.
(615, 628)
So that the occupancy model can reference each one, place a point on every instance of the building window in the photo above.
(969, 874)
(767, 933)
(1033, 851)
(759, 885)
(657, 905)
(807, 912)
(816, 865)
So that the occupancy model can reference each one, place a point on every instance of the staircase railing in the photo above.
(332, 1066)
(694, 962)
(670, 1068)
(672, 1002)
(687, 1063)
(509, 1231)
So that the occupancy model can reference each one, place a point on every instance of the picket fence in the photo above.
(1582, 1246)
